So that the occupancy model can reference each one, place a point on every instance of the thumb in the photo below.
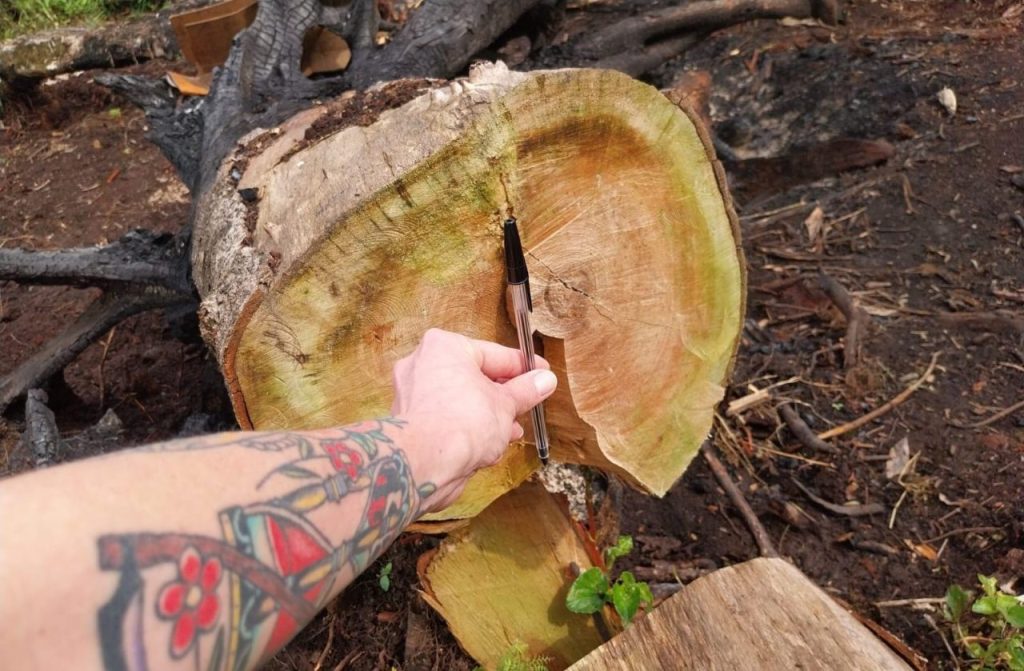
(529, 389)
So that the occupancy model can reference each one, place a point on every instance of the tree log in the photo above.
(321, 255)
(25, 60)
(763, 614)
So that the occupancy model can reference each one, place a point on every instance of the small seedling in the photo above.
(990, 628)
(592, 589)
(516, 659)
(384, 577)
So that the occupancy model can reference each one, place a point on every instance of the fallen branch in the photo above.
(139, 258)
(803, 432)
(856, 510)
(856, 318)
(702, 15)
(764, 543)
(883, 409)
(98, 318)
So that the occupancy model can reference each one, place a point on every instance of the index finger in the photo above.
(499, 362)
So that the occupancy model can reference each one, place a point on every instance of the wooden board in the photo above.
(762, 615)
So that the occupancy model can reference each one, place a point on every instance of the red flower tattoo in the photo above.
(190, 600)
(344, 458)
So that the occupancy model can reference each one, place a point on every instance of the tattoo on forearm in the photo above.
(223, 603)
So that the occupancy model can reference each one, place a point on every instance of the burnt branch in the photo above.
(261, 83)
(138, 258)
(857, 318)
(704, 15)
(636, 62)
(109, 309)
(438, 40)
(41, 434)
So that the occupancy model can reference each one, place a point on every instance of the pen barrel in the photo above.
(521, 309)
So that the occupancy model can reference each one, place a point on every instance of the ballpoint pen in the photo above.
(522, 305)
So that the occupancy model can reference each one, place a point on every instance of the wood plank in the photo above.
(763, 614)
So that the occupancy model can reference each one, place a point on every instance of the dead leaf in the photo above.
(899, 457)
(923, 549)
(879, 311)
(947, 99)
(978, 386)
(814, 223)
(792, 22)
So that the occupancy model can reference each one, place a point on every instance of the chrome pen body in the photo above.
(522, 305)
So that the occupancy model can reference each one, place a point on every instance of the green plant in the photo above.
(24, 16)
(990, 628)
(516, 659)
(384, 577)
(593, 588)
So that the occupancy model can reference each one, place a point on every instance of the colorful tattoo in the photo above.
(225, 602)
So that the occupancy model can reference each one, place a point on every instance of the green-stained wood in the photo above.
(503, 579)
(632, 245)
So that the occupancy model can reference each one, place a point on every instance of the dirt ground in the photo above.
(928, 244)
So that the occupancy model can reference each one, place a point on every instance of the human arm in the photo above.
(211, 553)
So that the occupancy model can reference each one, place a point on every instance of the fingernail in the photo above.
(545, 382)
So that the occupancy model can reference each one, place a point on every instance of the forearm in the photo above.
(203, 553)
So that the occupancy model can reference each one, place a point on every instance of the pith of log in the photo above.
(316, 286)
(763, 614)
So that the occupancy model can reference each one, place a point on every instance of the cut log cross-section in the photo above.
(355, 241)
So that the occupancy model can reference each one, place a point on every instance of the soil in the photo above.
(929, 244)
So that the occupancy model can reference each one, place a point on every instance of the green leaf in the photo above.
(623, 546)
(1015, 616)
(114, 112)
(384, 577)
(646, 598)
(986, 605)
(297, 472)
(957, 599)
(1004, 602)
(588, 592)
(627, 595)
(988, 584)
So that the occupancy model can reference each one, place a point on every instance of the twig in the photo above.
(883, 409)
(964, 530)
(896, 508)
(803, 432)
(764, 543)
(913, 603)
(331, 626)
(103, 361)
(952, 655)
(856, 318)
(858, 510)
(994, 418)
(908, 195)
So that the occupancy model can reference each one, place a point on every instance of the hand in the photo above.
(461, 398)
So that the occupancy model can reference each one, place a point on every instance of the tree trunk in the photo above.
(763, 614)
(325, 248)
